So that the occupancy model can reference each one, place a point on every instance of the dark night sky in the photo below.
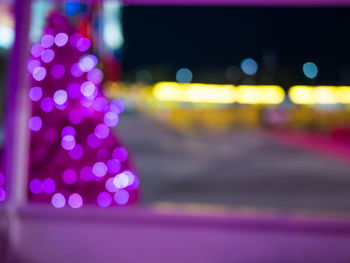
(209, 39)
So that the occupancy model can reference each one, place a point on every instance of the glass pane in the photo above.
(242, 106)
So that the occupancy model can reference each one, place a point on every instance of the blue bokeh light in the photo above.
(310, 70)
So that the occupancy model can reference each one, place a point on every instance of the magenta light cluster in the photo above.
(75, 158)
(2, 190)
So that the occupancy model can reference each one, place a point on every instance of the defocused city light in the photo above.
(7, 36)
(260, 94)
(320, 94)
(7, 26)
(184, 75)
(211, 93)
(249, 66)
(310, 70)
(112, 29)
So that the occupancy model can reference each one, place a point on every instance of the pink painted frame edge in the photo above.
(282, 3)
(241, 2)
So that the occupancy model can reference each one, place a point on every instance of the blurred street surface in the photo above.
(239, 168)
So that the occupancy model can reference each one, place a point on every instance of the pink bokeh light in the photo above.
(75, 200)
(104, 199)
(68, 142)
(101, 131)
(120, 153)
(83, 44)
(99, 169)
(69, 176)
(49, 185)
(121, 196)
(77, 152)
(39, 73)
(2, 194)
(48, 55)
(47, 41)
(60, 97)
(32, 64)
(47, 104)
(36, 50)
(58, 200)
(35, 123)
(35, 93)
(61, 39)
(35, 186)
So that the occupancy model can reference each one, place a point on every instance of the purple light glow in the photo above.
(47, 104)
(101, 131)
(95, 76)
(2, 194)
(120, 153)
(74, 39)
(73, 90)
(94, 95)
(32, 64)
(99, 169)
(48, 55)
(121, 197)
(63, 106)
(86, 102)
(36, 50)
(103, 155)
(60, 97)
(47, 41)
(61, 39)
(35, 123)
(135, 183)
(35, 186)
(112, 108)
(68, 142)
(110, 185)
(58, 200)
(113, 166)
(86, 174)
(111, 119)
(87, 63)
(75, 116)
(39, 73)
(100, 104)
(57, 71)
(69, 176)
(77, 152)
(87, 88)
(75, 200)
(35, 93)
(120, 104)
(76, 71)
(121, 180)
(131, 177)
(83, 44)
(104, 199)
(2, 179)
(68, 130)
(93, 141)
(49, 186)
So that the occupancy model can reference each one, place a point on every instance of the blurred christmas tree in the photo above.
(74, 157)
